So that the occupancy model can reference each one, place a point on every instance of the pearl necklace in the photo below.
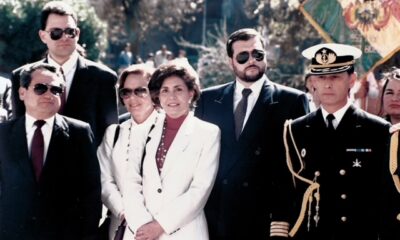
(129, 141)
(162, 150)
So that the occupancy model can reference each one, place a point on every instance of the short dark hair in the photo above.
(59, 8)
(243, 34)
(26, 73)
(142, 68)
(178, 68)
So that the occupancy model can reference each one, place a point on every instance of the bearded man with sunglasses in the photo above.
(250, 111)
(90, 93)
(49, 172)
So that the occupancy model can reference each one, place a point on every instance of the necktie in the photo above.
(330, 119)
(37, 149)
(63, 96)
(240, 112)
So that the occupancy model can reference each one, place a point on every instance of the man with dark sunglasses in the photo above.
(247, 200)
(50, 175)
(90, 93)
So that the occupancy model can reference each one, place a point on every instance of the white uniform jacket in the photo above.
(176, 197)
(114, 164)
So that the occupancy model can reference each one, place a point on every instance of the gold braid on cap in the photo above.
(332, 65)
(314, 186)
(393, 165)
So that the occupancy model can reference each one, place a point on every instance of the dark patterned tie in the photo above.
(330, 119)
(63, 96)
(240, 112)
(37, 149)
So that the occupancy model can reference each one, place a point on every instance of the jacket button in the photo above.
(398, 216)
(257, 152)
(159, 190)
(245, 184)
(342, 172)
(225, 181)
(344, 219)
(343, 196)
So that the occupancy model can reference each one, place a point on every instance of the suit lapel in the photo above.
(20, 148)
(59, 138)
(76, 90)
(258, 115)
(179, 145)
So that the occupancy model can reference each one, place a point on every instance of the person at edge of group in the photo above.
(5, 99)
(313, 100)
(115, 156)
(50, 176)
(169, 186)
(338, 157)
(390, 98)
(248, 189)
(90, 93)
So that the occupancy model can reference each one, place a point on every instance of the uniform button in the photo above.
(398, 216)
(245, 184)
(317, 173)
(343, 196)
(159, 190)
(257, 152)
(342, 172)
(344, 219)
(225, 181)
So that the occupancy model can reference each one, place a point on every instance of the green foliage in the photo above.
(20, 23)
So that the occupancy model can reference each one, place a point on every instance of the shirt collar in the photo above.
(30, 121)
(68, 65)
(150, 119)
(338, 114)
(255, 87)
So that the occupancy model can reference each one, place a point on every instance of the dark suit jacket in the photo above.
(92, 97)
(66, 202)
(251, 169)
(354, 176)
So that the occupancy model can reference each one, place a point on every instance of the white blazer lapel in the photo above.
(149, 163)
(179, 145)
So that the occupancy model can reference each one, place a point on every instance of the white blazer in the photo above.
(176, 197)
(114, 164)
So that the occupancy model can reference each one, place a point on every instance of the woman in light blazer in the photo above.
(117, 149)
(180, 163)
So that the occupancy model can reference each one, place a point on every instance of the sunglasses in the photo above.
(243, 57)
(41, 88)
(125, 93)
(57, 33)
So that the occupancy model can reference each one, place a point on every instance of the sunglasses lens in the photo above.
(258, 55)
(141, 92)
(56, 33)
(125, 92)
(40, 89)
(56, 90)
(242, 57)
(70, 32)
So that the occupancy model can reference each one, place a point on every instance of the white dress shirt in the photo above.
(338, 114)
(47, 129)
(252, 99)
(69, 68)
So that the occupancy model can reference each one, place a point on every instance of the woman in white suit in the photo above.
(180, 164)
(114, 156)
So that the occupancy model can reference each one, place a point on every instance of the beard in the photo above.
(242, 75)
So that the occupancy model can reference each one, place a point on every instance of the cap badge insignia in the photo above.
(324, 57)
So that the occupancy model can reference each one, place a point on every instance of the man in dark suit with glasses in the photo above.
(246, 199)
(49, 172)
(90, 93)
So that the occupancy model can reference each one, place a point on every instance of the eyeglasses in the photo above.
(41, 88)
(125, 93)
(57, 33)
(243, 57)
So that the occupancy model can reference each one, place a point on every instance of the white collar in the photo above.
(338, 114)
(30, 121)
(69, 65)
(255, 87)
